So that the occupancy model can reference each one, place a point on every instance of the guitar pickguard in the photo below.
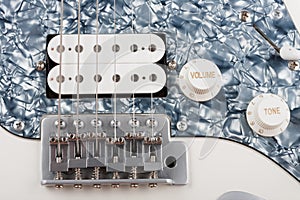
(208, 29)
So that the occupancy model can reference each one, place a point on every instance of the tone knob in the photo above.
(268, 115)
(200, 80)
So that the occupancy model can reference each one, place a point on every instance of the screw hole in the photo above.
(153, 77)
(134, 78)
(116, 78)
(97, 78)
(171, 162)
(97, 48)
(79, 48)
(134, 48)
(60, 49)
(152, 47)
(60, 79)
(115, 48)
(79, 78)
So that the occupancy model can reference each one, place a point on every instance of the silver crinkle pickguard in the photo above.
(209, 29)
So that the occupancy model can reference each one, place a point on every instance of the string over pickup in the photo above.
(110, 48)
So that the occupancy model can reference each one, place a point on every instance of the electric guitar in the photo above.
(172, 99)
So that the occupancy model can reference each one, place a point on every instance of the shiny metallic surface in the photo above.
(208, 29)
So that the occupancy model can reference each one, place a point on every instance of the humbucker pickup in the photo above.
(123, 64)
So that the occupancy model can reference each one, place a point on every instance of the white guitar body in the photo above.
(215, 166)
(227, 166)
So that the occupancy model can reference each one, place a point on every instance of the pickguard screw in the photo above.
(19, 125)
(293, 65)
(277, 14)
(245, 15)
(172, 65)
(40, 66)
(182, 125)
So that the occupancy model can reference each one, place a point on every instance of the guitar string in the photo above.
(151, 94)
(96, 77)
(133, 95)
(60, 80)
(78, 80)
(115, 76)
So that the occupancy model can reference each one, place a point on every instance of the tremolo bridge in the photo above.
(130, 151)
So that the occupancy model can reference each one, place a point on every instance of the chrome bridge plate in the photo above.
(127, 149)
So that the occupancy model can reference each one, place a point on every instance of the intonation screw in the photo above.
(40, 66)
(18, 125)
(172, 65)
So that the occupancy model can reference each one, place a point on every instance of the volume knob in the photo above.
(268, 115)
(200, 80)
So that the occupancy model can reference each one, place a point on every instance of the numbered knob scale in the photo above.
(200, 80)
(268, 115)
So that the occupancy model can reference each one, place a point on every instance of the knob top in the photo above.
(200, 80)
(268, 115)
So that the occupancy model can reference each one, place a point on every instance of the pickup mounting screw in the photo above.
(40, 66)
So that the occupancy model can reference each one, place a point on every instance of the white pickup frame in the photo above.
(133, 79)
(113, 48)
